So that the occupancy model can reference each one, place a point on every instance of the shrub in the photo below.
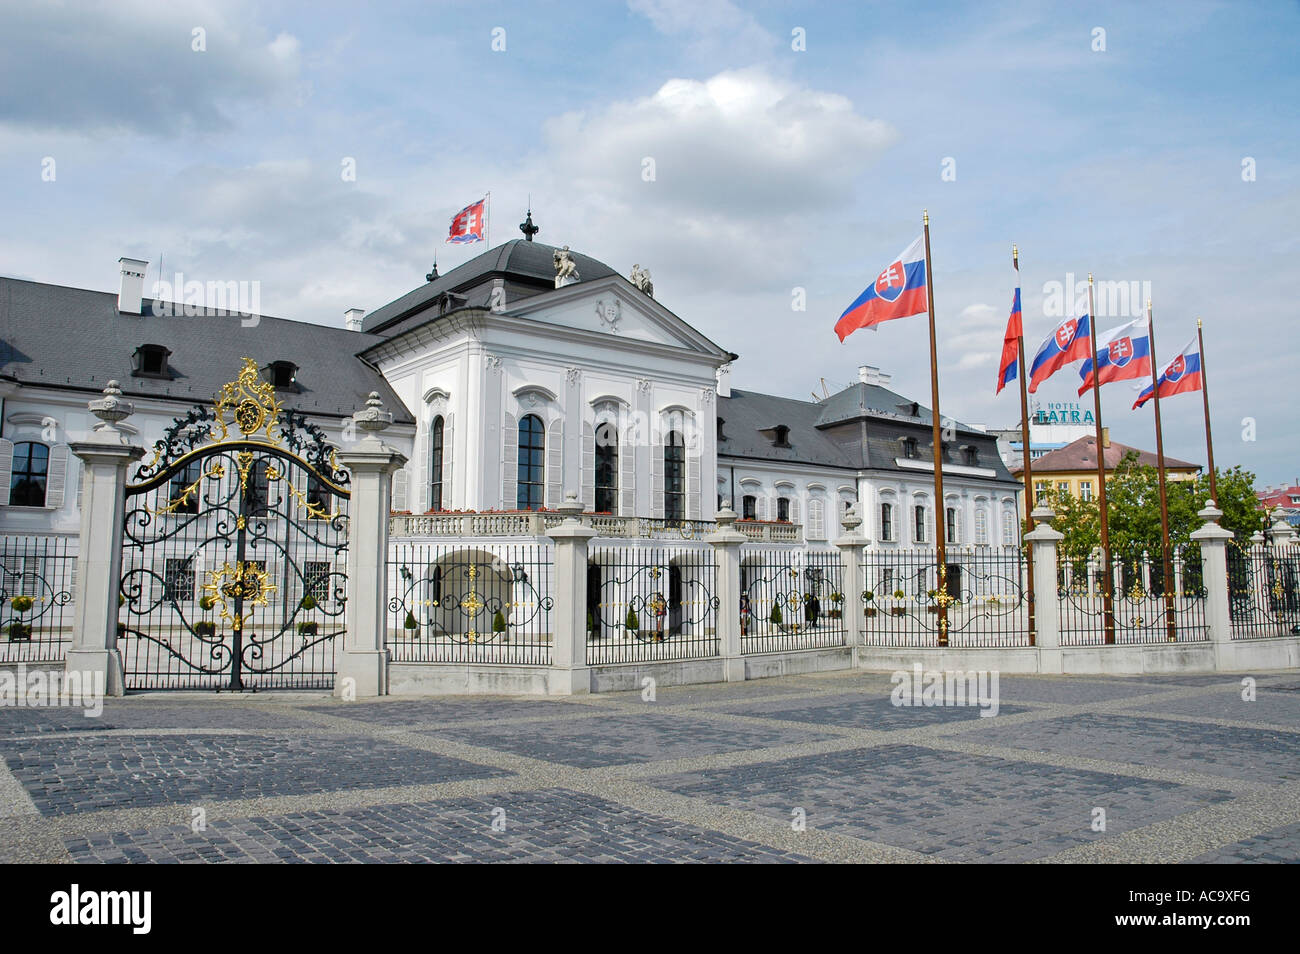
(19, 632)
(591, 623)
(899, 594)
(308, 602)
(775, 619)
(498, 622)
(409, 622)
(631, 622)
(205, 627)
(207, 602)
(308, 628)
(868, 596)
(21, 604)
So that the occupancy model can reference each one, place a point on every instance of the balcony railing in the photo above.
(537, 523)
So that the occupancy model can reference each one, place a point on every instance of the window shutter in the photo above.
(657, 481)
(588, 466)
(794, 509)
(399, 490)
(760, 506)
(448, 444)
(555, 464)
(816, 519)
(693, 486)
(627, 479)
(423, 496)
(6, 469)
(56, 481)
(510, 463)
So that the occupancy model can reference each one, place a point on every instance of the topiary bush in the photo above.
(498, 622)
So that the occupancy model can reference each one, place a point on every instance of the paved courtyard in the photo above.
(800, 769)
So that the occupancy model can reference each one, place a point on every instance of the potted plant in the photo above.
(869, 597)
(409, 624)
(498, 622)
(308, 602)
(308, 627)
(631, 623)
(205, 627)
(207, 602)
(22, 604)
(776, 619)
(20, 632)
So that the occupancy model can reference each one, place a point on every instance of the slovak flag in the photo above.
(1180, 375)
(1011, 345)
(897, 292)
(469, 224)
(1070, 342)
(1122, 353)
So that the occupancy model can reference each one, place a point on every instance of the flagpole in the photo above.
(1108, 582)
(1205, 398)
(941, 549)
(1026, 468)
(487, 224)
(1170, 629)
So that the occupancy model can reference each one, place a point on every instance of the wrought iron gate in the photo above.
(234, 564)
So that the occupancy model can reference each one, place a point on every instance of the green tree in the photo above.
(1133, 508)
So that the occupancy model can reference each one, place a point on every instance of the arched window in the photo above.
(606, 468)
(887, 521)
(783, 509)
(180, 497)
(436, 431)
(918, 523)
(532, 451)
(674, 477)
(30, 469)
(749, 507)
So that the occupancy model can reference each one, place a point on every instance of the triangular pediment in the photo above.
(616, 308)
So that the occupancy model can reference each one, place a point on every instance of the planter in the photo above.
(898, 611)
(871, 612)
(205, 628)
(20, 632)
(308, 629)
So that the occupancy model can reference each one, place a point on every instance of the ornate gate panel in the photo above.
(234, 565)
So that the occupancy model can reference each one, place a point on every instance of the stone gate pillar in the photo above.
(363, 668)
(1045, 538)
(726, 541)
(1214, 558)
(851, 545)
(569, 639)
(106, 455)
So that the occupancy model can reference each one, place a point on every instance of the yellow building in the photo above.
(1073, 468)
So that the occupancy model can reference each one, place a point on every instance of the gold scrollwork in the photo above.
(250, 404)
(243, 581)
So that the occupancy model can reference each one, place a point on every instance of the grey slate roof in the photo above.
(529, 264)
(55, 336)
(857, 428)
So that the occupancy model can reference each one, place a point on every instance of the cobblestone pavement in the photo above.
(797, 769)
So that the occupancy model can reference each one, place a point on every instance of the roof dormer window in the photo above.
(283, 375)
(721, 436)
(150, 361)
(781, 436)
(909, 447)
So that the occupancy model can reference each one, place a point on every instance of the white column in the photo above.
(1214, 557)
(1044, 538)
(851, 545)
(107, 454)
(726, 541)
(570, 675)
(363, 668)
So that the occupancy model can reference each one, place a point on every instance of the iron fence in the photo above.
(790, 599)
(651, 603)
(471, 603)
(37, 579)
(1263, 590)
(1139, 608)
(985, 596)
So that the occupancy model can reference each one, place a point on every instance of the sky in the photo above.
(792, 148)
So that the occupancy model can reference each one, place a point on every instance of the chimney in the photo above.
(723, 374)
(352, 318)
(869, 375)
(132, 289)
(1105, 437)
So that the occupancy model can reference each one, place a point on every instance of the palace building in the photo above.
(527, 376)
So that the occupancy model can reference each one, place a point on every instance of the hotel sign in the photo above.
(1060, 412)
